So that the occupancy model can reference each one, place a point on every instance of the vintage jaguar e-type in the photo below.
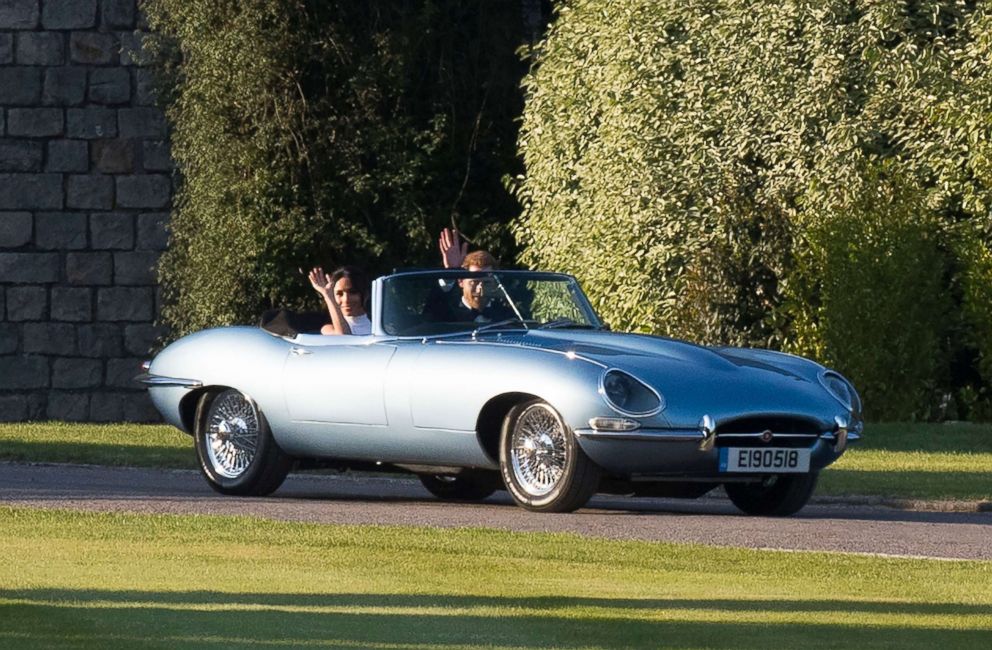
(533, 395)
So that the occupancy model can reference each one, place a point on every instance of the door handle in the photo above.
(299, 352)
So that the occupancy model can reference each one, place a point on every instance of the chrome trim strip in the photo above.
(643, 435)
(759, 434)
(830, 435)
(158, 380)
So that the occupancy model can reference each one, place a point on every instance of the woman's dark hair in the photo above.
(359, 280)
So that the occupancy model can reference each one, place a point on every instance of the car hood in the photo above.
(695, 380)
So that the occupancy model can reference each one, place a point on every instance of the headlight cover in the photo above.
(628, 395)
(842, 390)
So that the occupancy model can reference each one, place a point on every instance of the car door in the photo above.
(337, 380)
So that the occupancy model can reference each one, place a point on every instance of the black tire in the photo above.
(543, 467)
(777, 496)
(235, 447)
(460, 487)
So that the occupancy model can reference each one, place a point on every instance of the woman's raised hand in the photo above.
(320, 282)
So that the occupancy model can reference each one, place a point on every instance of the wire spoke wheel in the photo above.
(232, 434)
(538, 452)
(235, 447)
(543, 467)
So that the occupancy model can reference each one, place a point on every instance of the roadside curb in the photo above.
(920, 505)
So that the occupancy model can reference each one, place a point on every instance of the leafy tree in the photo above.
(310, 132)
(811, 176)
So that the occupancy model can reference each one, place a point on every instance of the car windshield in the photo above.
(445, 302)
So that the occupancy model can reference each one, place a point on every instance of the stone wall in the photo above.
(85, 190)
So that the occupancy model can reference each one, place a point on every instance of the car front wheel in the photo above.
(776, 496)
(235, 447)
(543, 467)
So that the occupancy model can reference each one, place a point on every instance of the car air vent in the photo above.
(516, 339)
(767, 431)
(775, 425)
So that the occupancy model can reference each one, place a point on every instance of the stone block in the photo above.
(20, 155)
(90, 191)
(68, 14)
(30, 192)
(68, 156)
(15, 229)
(23, 372)
(143, 339)
(77, 373)
(153, 231)
(49, 338)
(112, 231)
(64, 86)
(134, 304)
(132, 48)
(19, 14)
(26, 303)
(117, 14)
(13, 408)
(6, 48)
(145, 91)
(107, 407)
(91, 123)
(144, 122)
(113, 156)
(34, 268)
(89, 268)
(121, 372)
(68, 406)
(138, 407)
(60, 230)
(40, 48)
(71, 304)
(100, 340)
(155, 156)
(135, 268)
(92, 48)
(110, 86)
(10, 335)
(20, 85)
(34, 122)
(143, 191)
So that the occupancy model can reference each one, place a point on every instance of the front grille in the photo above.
(785, 432)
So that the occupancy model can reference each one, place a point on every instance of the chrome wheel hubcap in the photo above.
(538, 450)
(232, 433)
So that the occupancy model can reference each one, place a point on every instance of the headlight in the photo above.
(629, 395)
(842, 390)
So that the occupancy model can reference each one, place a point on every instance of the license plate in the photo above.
(764, 460)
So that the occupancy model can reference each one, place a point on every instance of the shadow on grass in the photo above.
(93, 618)
(908, 485)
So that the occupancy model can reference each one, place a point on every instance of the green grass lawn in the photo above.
(916, 461)
(79, 580)
(909, 461)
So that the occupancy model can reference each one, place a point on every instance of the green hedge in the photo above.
(810, 176)
(309, 132)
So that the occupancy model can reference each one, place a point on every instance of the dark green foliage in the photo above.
(811, 176)
(310, 132)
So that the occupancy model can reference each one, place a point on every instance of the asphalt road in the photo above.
(391, 500)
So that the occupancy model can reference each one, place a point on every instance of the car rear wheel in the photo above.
(235, 447)
(457, 487)
(543, 467)
(776, 496)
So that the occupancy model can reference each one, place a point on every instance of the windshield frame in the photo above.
(460, 274)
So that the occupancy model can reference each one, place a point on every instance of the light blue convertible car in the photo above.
(528, 392)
